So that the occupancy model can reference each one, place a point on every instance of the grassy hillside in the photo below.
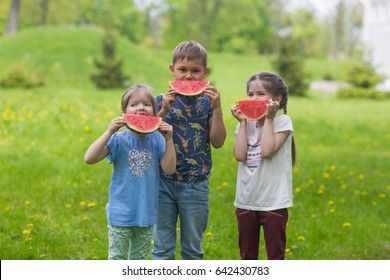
(53, 204)
(63, 56)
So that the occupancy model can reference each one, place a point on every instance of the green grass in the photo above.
(53, 205)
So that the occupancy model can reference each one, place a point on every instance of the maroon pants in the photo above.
(274, 226)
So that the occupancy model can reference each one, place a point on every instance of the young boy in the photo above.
(197, 122)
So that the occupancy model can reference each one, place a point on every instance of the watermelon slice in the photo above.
(253, 109)
(189, 88)
(142, 123)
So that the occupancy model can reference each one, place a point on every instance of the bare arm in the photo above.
(168, 160)
(270, 141)
(217, 126)
(240, 146)
(167, 101)
(98, 149)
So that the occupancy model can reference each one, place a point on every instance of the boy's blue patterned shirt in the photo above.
(190, 120)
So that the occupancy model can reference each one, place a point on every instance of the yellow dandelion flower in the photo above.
(295, 169)
(83, 203)
(361, 177)
(322, 187)
(301, 238)
(314, 216)
(86, 218)
(6, 209)
(311, 182)
(332, 167)
(209, 233)
(297, 189)
(30, 225)
(91, 204)
(382, 225)
(330, 202)
(326, 175)
(320, 191)
(332, 210)
(86, 128)
(343, 186)
(68, 205)
(346, 224)
(225, 184)
(88, 181)
(287, 250)
(26, 232)
(27, 203)
(382, 195)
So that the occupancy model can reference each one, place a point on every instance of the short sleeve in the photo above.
(283, 123)
(113, 145)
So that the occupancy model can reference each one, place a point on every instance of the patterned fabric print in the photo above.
(139, 162)
(190, 120)
(129, 243)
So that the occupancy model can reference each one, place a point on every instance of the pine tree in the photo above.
(110, 73)
(289, 64)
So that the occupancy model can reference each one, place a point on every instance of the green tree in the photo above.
(109, 70)
(289, 64)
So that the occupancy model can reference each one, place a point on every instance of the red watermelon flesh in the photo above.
(189, 88)
(253, 109)
(142, 123)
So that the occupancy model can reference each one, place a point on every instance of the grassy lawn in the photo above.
(53, 205)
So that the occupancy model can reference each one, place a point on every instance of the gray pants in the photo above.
(129, 243)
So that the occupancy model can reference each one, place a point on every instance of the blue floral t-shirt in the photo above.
(135, 179)
(190, 120)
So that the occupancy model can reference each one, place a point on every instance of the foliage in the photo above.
(289, 65)
(110, 71)
(19, 77)
(363, 79)
(244, 26)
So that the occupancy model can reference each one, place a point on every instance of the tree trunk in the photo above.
(44, 9)
(13, 20)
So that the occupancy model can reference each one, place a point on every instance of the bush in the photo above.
(363, 80)
(19, 77)
(363, 75)
(371, 93)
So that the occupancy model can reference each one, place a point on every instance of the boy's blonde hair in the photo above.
(189, 50)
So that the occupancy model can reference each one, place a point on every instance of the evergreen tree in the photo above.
(289, 64)
(110, 73)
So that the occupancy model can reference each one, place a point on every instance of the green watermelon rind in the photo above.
(197, 93)
(136, 128)
(253, 116)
